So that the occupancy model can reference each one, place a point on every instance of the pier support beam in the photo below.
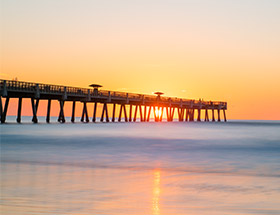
(160, 114)
(48, 111)
(61, 117)
(135, 113)
(206, 119)
(213, 115)
(114, 112)
(125, 115)
(141, 114)
(85, 113)
(225, 118)
(179, 114)
(191, 115)
(107, 115)
(187, 115)
(149, 113)
(145, 114)
(198, 115)
(1, 108)
(130, 113)
(170, 113)
(4, 112)
(184, 110)
(34, 110)
(120, 115)
(167, 114)
(73, 111)
(155, 116)
(19, 110)
(104, 111)
(219, 117)
(182, 113)
(94, 112)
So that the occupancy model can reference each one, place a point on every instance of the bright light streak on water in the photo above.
(140, 168)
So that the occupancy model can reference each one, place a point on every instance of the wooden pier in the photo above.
(147, 106)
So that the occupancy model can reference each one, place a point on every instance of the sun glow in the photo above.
(137, 57)
(158, 112)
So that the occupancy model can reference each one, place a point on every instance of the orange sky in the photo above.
(215, 51)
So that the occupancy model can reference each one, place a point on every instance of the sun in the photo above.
(158, 111)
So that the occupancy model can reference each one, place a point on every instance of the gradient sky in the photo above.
(215, 50)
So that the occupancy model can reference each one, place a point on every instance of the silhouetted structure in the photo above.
(145, 104)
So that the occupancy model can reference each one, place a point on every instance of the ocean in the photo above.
(176, 168)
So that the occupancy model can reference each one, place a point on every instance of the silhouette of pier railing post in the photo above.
(131, 105)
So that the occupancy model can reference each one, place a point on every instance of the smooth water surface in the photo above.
(141, 168)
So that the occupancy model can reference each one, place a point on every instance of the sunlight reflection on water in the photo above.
(156, 192)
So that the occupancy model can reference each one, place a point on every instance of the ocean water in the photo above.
(178, 168)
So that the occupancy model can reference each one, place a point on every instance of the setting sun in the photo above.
(158, 112)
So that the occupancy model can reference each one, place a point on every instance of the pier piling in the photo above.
(61, 117)
(130, 113)
(225, 118)
(34, 111)
(114, 111)
(4, 112)
(94, 112)
(73, 111)
(34, 118)
(19, 110)
(48, 111)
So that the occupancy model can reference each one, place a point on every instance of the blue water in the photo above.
(140, 168)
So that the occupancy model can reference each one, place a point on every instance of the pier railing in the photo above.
(30, 87)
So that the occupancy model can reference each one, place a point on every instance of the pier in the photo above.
(130, 104)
